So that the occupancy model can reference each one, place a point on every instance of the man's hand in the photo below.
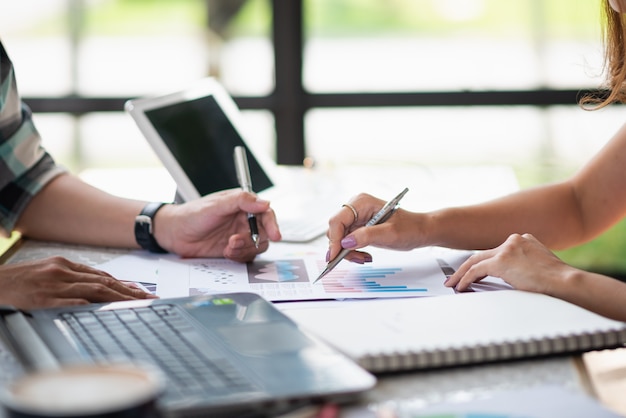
(56, 281)
(216, 226)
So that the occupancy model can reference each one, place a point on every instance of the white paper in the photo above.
(539, 402)
(286, 272)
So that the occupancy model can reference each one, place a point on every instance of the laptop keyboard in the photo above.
(161, 336)
(10, 367)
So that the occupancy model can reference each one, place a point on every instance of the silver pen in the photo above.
(245, 182)
(380, 217)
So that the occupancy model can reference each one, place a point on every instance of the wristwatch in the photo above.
(144, 226)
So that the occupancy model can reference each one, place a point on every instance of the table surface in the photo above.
(400, 391)
(409, 390)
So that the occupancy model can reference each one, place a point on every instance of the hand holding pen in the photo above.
(245, 182)
(381, 216)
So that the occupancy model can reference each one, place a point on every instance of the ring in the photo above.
(348, 205)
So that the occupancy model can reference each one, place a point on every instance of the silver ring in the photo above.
(348, 205)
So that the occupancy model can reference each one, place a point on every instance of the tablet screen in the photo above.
(202, 139)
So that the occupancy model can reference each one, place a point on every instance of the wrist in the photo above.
(426, 229)
(566, 283)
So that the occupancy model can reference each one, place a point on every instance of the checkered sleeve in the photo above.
(25, 166)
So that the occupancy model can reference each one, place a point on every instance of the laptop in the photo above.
(194, 133)
(223, 355)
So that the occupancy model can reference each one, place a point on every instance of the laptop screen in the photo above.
(202, 139)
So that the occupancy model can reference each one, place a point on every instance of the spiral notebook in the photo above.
(465, 328)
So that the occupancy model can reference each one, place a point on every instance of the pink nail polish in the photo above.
(348, 242)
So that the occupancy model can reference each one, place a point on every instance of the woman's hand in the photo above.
(401, 231)
(521, 261)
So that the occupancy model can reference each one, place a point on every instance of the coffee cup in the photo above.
(85, 391)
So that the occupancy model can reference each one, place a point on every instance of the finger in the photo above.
(135, 285)
(475, 258)
(352, 210)
(250, 202)
(83, 268)
(240, 248)
(269, 225)
(100, 293)
(76, 273)
(359, 257)
(87, 274)
(474, 274)
(363, 237)
(112, 288)
(338, 226)
(244, 243)
(347, 216)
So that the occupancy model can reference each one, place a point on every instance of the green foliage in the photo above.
(254, 18)
(604, 254)
(434, 17)
(145, 17)
(571, 18)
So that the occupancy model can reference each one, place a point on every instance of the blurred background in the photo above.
(333, 82)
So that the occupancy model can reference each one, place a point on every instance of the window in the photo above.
(446, 82)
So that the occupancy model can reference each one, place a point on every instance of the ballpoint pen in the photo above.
(243, 176)
(380, 217)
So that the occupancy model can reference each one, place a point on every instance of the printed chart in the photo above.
(287, 272)
(289, 276)
(370, 279)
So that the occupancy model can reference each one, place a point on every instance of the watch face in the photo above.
(143, 228)
(144, 222)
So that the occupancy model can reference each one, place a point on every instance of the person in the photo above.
(41, 200)
(514, 235)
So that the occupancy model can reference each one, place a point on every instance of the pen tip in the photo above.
(320, 276)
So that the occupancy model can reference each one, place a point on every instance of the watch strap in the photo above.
(144, 227)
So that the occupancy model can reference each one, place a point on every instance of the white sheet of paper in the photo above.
(286, 272)
(143, 268)
(538, 402)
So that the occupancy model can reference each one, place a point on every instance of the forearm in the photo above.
(549, 212)
(69, 210)
(595, 292)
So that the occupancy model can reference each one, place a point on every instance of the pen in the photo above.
(380, 217)
(243, 176)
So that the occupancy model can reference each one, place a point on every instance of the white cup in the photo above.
(85, 391)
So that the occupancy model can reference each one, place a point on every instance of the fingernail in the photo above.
(327, 256)
(348, 242)
(368, 258)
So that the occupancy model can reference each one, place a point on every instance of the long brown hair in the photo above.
(614, 61)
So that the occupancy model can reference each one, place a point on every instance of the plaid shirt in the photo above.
(25, 166)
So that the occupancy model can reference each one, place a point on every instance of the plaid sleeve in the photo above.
(25, 166)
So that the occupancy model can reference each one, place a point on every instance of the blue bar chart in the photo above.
(370, 279)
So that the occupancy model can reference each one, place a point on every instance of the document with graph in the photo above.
(286, 272)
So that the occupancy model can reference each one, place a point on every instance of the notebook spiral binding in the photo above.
(485, 353)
